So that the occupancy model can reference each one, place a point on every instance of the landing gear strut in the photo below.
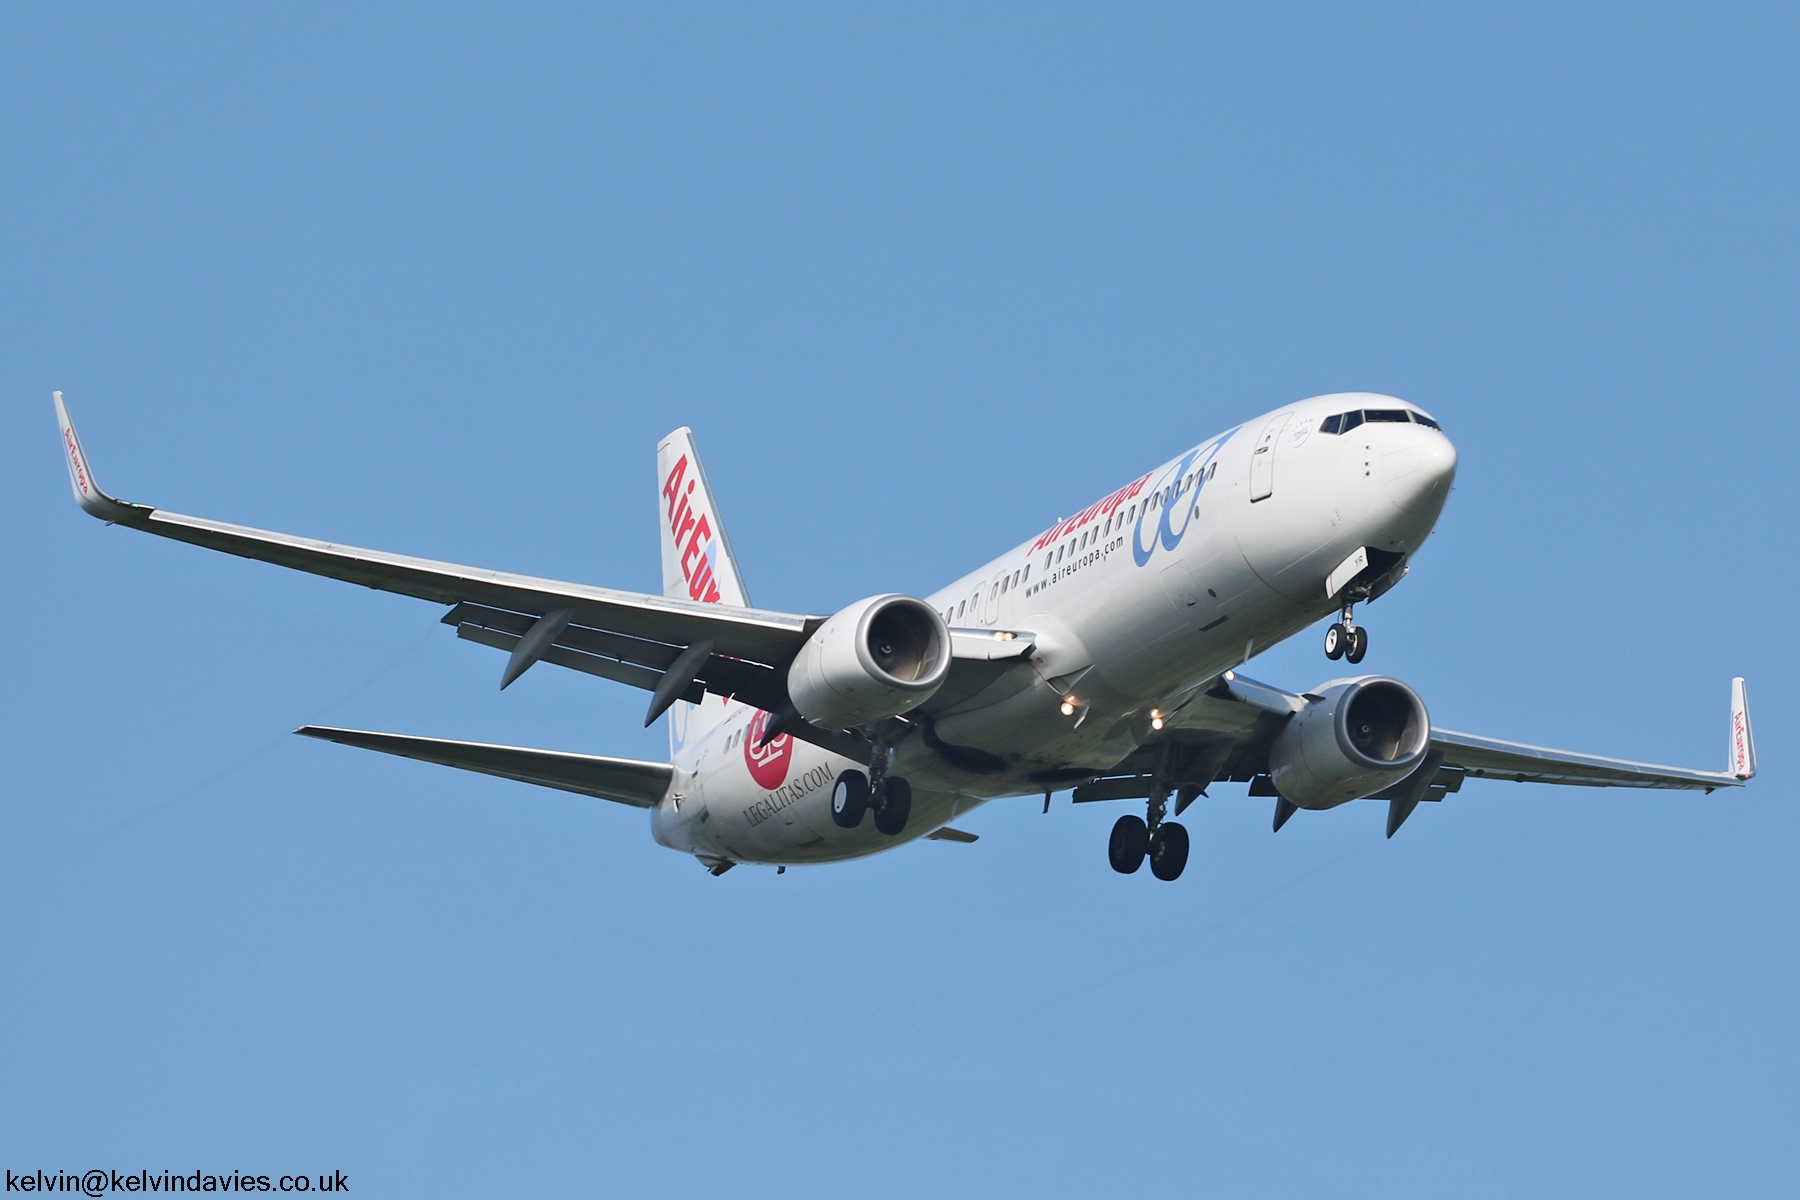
(1345, 638)
(1135, 838)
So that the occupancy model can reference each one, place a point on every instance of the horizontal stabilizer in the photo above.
(624, 780)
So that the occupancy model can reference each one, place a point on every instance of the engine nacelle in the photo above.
(1360, 736)
(874, 660)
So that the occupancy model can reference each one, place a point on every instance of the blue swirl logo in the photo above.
(1199, 460)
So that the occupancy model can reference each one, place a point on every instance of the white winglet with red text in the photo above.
(1742, 762)
(93, 501)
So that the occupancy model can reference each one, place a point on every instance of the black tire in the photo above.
(1334, 641)
(893, 805)
(1359, 644)
(850, 799)
(1168, 850)
(1130, 841)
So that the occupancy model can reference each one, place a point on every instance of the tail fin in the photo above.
(1742, 760)
(697, 563)
(696, 555)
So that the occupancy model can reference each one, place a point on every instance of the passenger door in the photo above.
(1262, 458)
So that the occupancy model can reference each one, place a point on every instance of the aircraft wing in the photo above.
(757, 634)
(623, 780)
(1223, 732)
(630, 637)
(1491, 758)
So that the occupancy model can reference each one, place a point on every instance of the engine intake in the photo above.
(1360, 736)
(875, 659)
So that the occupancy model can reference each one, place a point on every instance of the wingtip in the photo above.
(88, 494)
(1741, 754)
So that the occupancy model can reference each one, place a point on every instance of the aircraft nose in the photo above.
(1418, 470)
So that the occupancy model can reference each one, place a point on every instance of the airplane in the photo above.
(1101, 654)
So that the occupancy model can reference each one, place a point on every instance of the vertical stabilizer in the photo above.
(1742, 762)
(697, 563)
(696, 556)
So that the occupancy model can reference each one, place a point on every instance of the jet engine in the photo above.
(873, 660)
(1357, 737)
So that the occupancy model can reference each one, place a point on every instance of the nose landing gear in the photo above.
(1345, 638)
(1134, 838)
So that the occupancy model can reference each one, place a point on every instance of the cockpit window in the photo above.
(1426, 421)
(1351, 421)
(1395, 415)
(1330, 424)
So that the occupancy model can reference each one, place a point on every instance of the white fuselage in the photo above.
(1183, 573)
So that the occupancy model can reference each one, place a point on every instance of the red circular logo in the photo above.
(768, 764)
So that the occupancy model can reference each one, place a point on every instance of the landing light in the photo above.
(1068, 706)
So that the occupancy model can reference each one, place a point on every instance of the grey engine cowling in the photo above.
(1360, 736)
(875, 659)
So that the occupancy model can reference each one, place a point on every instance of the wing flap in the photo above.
(622, 780)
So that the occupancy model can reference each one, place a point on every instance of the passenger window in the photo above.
(1351, 421)
(960, 606)
(1015, 579)
(1330, 424)
(1003, 585)
(995, 594)
(1426, 421)
(1395, 416)
(1027, 570)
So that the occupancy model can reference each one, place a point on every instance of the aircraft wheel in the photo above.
(1168, 850)
(1129, 842)
(1334, 641)
(893, 804)
(1359, 644)
(850, 799)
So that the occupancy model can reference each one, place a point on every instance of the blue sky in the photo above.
(921, 279)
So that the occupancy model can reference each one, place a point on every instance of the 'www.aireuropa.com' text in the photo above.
(101, 1183)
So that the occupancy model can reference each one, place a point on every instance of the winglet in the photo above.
(93, 501)
(1742, 760)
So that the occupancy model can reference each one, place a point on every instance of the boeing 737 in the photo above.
(1102, 655)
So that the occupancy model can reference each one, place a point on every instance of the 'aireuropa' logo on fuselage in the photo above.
(1172, 484)
(687, 521)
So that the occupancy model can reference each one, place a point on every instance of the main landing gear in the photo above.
(853, 795)
(1134, 838)
(1345, 638)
